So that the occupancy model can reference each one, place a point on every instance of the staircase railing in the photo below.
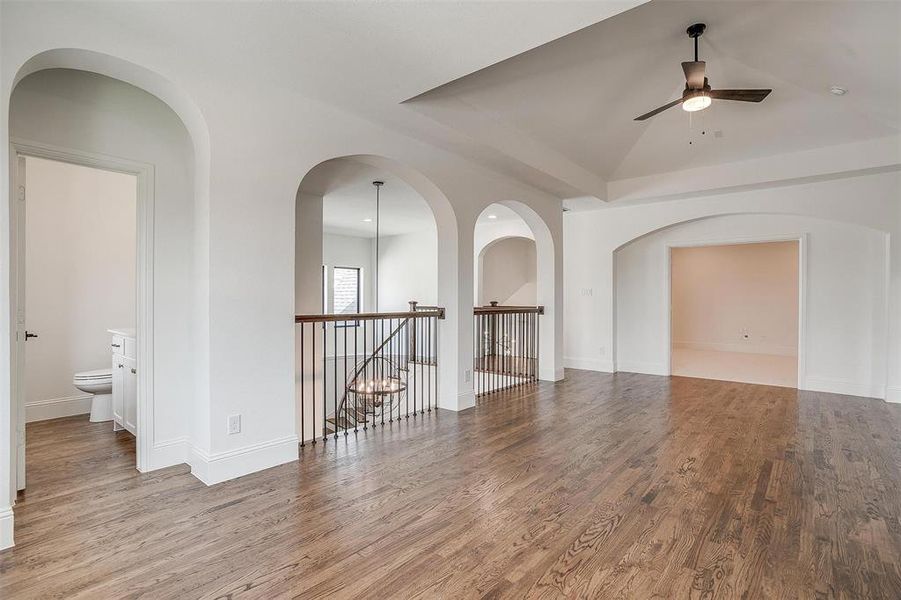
(365, 369)
(506, 340)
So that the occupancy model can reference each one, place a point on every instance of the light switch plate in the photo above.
(234, 424)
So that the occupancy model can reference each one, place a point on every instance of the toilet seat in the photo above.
(95, 376)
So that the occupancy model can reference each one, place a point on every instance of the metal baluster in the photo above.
(313, 373)
(354, 379)
(324, 380)
(475, 356)
(344, 381)
(407, 364)
(382, 379)
(435, 319)
(392, 350)
(494, 345)
(365, 376)
(506, 350)
(517, 358)
(303, 383)
(428, 346)
(482, 354)
(335, 373)
(537, 347)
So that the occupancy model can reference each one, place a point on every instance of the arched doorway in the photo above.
(852, 362)
(84, 108)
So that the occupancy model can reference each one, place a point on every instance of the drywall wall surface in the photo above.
(508, 272)
(80, 245)
(736, 298)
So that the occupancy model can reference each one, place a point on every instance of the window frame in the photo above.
(359, 272)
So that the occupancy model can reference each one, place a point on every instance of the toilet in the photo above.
(99, 383)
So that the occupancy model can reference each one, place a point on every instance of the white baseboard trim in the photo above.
(54, 408)
(645, 368)
(168, 453)
(893, 394)
(222, 466)
(844, 387)
(588, 364)
(464, 400)
(6, 527)
(744, 348)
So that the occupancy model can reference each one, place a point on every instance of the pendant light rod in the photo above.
(378, 186)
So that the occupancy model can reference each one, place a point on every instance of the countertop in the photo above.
(125, 332)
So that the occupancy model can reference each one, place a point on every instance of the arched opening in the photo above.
(514, 286)
(507, 273)
(92, 112)
(833, 259)
(368, 234)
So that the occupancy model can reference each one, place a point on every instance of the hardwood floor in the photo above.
(601, 486)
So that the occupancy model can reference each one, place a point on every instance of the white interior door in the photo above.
(19, 265)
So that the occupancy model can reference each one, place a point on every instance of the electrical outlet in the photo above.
(234, 424)
(467, 375)
(603, 351)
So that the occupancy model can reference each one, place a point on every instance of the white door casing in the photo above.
(143, 383)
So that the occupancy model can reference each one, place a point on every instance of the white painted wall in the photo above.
(80, 276)
(408, 270)
(508, 272)
(92, 113)
(488, 231)
(232, 340)
(734, 298)
(350, 251)
(853, 328)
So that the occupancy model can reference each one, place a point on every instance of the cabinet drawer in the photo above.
(129, 348)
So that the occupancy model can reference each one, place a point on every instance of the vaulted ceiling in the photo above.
(566, 109)
(547, 91)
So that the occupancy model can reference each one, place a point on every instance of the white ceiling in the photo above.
(348, 198)
(546, 91)
(498, 213)
(366, 57)
(574, 99)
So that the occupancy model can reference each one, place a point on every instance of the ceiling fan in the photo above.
(697, 94)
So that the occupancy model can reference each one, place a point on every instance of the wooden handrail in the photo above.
(487, 310)
(419, 314)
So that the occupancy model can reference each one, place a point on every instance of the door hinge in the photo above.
(22, 193)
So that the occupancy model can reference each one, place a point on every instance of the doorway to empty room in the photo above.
(735, 312)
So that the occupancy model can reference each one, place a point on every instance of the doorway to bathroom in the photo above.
(78, 226)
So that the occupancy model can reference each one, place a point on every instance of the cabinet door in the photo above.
(131, 394)
(118, 392)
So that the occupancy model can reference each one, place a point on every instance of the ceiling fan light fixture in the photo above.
(696, 102)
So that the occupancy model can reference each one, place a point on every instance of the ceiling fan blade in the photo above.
(658, 110)
(694, 74)
(740, 95)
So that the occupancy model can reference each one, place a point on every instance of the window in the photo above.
(346, 291)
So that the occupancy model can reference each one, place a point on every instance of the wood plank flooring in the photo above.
(601, 486)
